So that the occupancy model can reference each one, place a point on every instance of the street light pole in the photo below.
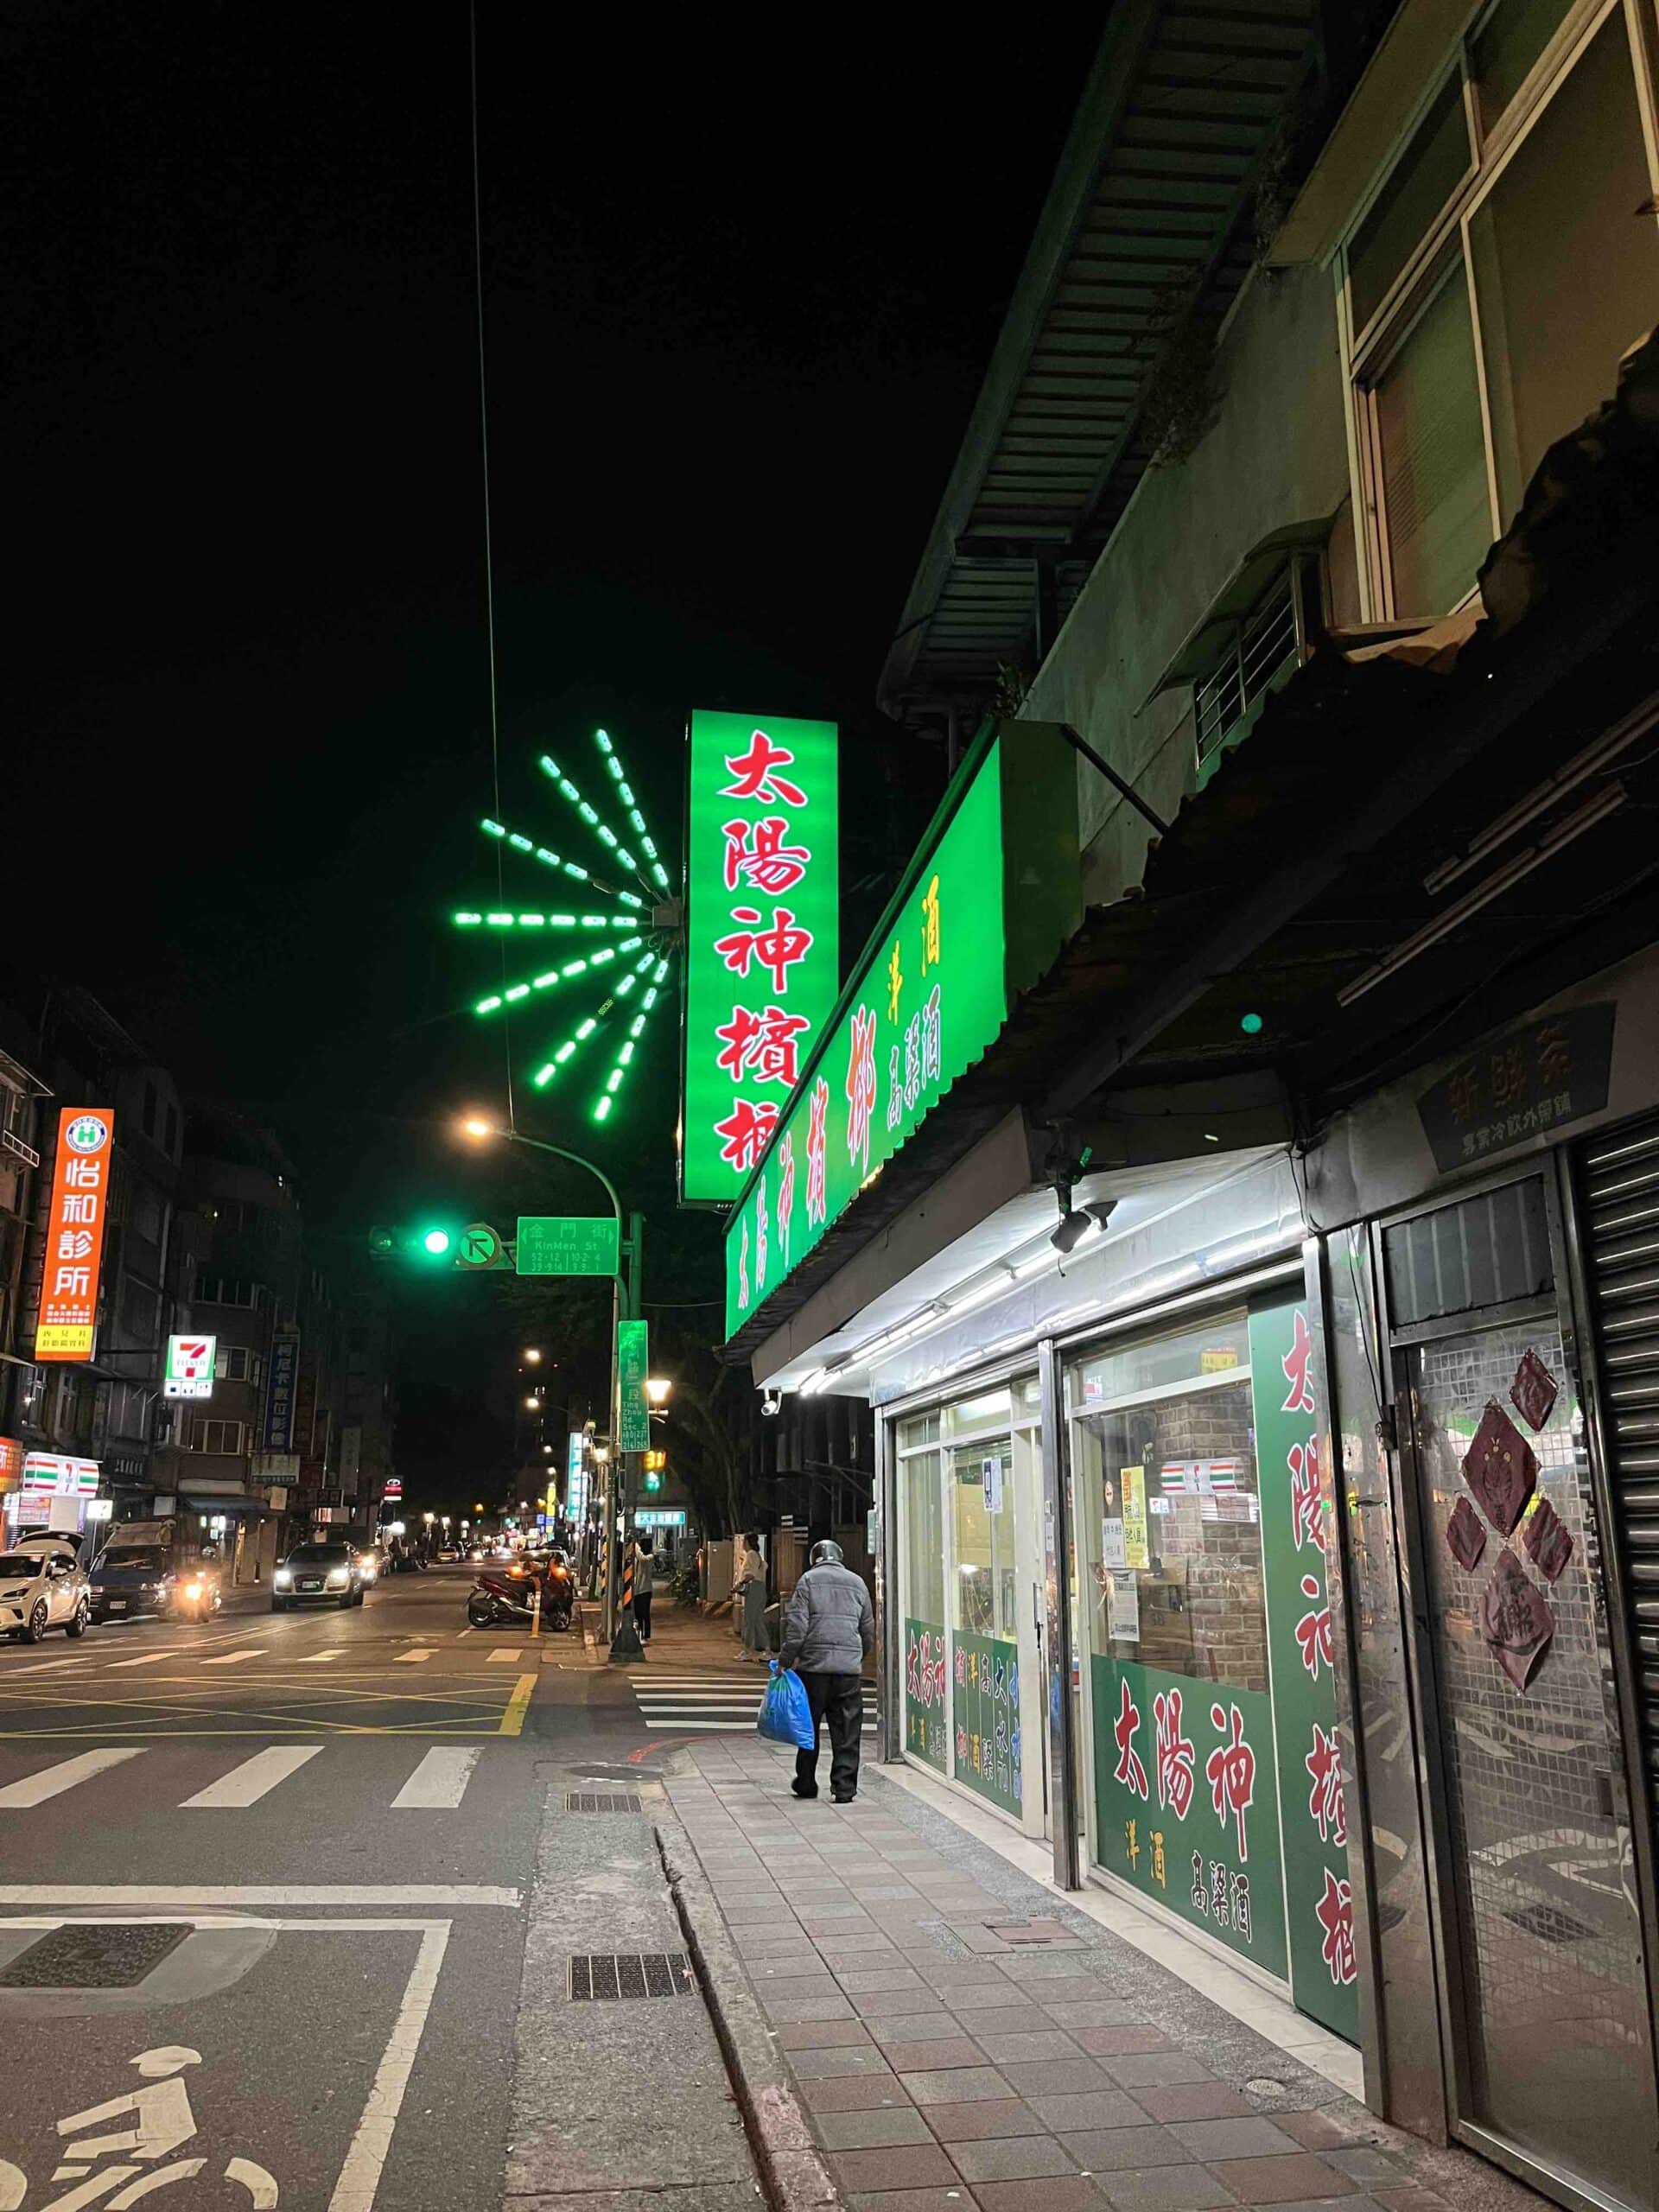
(625, 1291)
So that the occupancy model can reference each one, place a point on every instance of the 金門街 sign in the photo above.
(762, 906)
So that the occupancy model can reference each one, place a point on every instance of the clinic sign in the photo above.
(992, 894)
(762, 921)
(68, 1326)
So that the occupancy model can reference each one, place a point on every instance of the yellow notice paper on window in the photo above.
(1131, 1487)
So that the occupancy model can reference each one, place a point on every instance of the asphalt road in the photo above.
(270, 1877)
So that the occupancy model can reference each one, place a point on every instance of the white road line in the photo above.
(439, 1783)
(503, 1655)
(41, 1666)
(459, 1632)
(149, 1659)
(320, 1658)
(255, 1778)
(234, 1658)
(360, 2175)
(162, 1896)
(52, 1781)
(413, 1658)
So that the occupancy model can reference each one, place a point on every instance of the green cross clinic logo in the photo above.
(86, 1132)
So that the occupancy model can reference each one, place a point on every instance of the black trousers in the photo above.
(642, 1614)
(838, 1700)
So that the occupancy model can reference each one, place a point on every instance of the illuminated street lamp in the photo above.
(658, 1390)
(533, 1402)
(532, 1355)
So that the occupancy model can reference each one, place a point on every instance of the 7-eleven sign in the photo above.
(189, 1371)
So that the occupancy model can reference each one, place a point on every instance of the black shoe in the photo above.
(796, 1790)
(851, 1798)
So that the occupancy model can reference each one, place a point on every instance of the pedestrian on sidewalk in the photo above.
(749, 1586)
(645, 1568)
(829, 1632)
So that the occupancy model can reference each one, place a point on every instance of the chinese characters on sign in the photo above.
(632, 1366)
(986, 1710)
(762, 906)
(566, 1244)
(68, 1326)
(925, 1692)
(280, 1390)
(1525, 1083)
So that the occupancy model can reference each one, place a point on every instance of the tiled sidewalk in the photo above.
(946, 2065)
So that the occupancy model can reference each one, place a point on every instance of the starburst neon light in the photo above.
(614, 949)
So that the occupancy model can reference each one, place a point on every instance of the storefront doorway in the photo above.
(1542, 1980)
(970, 1485)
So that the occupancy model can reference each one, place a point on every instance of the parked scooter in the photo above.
(502, 1596)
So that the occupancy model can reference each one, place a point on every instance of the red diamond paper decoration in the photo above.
(1464, 1537)
(1534, 1391)
(1548, 1539)
(1500, 1468)
(1514, 1620)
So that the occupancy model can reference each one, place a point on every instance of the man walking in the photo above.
(829, 1631)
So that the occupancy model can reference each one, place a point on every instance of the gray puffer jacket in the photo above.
(830, 1625)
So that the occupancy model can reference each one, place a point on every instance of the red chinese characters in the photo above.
(1335, 1913)
(763, 1043)
(1174, 1754)
(1307, 1521)
(1313, 1633)
(1325, 1805)
(776, 946)
(744, 1131)
(755, 773)
(817, 1139)
(860, 1087)
(1294, 1363)
(1230, 1771)
(786, 1190)
(1130, 1771)
(757, 855)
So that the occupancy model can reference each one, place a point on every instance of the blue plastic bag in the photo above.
(785, 1716)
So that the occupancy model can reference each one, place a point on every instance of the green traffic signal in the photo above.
(437, 1242)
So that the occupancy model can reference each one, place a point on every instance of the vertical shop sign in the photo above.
(68, 1326)
(986, 1711)
(762, 949)
(1296, 1527)
(1137, 1549)
(926, 1706)
(634, 1407)
(279, 1390)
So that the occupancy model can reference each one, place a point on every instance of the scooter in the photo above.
(190, 1595)
(503, 1597)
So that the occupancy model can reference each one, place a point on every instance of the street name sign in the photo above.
(566, 1244)
(632, 1366)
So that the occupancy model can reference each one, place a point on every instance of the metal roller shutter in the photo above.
(1621, 1188)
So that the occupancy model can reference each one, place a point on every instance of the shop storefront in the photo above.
(57, 1493)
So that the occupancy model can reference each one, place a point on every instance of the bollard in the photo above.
(535, 1611)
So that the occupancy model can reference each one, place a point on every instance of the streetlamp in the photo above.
(625, 1304)
(533, 1403)
(532, 1355)
(658, 1390)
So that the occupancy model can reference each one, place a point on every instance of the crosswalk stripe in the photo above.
(44, 1667)
(413, 1658)
(255, 1778)
(52, 1781)
(149, 1659)
(320, 1658)
(439, 1783)
(235, 1658)
(503, 1655)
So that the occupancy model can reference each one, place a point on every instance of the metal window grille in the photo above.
(1266, 643)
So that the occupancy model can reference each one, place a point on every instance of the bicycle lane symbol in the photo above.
(159, 2122)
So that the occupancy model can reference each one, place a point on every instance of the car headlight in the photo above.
(338, 1578)
(281, 1579)
(192, 1590)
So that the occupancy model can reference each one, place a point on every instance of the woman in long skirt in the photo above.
(752, 1596)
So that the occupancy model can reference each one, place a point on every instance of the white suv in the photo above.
(41, 1589)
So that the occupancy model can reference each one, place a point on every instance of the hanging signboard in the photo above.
(633, 1367)
(68, 1327)
(566, 1244)
(190, 1370)
(990, 896)
(279, 1390)
(762, 918)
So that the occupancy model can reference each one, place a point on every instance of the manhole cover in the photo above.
(1033, 1931)
(590, 1801)
(1548, 1925)
(631, 1973)
(106, 1956)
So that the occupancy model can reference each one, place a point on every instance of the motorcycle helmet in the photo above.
(826, 1553)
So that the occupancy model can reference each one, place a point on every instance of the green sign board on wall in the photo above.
(986, 1714)
(762, 917)
(926, 1705)
(984, 907)
(633, 1367)
(1296, 1527)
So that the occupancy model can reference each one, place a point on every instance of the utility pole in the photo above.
(626, 1646)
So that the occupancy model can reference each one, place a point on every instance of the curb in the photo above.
(790, 2164)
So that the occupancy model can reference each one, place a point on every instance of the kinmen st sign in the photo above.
(566, 1244)
(68, 1327)
(762, 957)
(189, 1371)
(993, 893)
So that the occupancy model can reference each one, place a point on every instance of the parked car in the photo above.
(41, 1589)
(317, 1574)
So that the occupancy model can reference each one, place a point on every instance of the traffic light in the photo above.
(433, 1240)
(654, 1463)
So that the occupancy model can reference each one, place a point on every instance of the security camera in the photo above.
(1078, 1222)
(772, 1402)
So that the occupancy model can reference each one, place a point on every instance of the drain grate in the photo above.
(1046, 1932)
(631, 1973)
(597, 1801)
(1548, 1925)
(107, 1956)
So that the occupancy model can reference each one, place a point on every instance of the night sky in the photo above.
(739, 292)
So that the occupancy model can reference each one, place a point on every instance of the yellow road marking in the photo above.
(513, 1720)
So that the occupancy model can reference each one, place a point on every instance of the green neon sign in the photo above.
(991, 895)
(762, 956)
